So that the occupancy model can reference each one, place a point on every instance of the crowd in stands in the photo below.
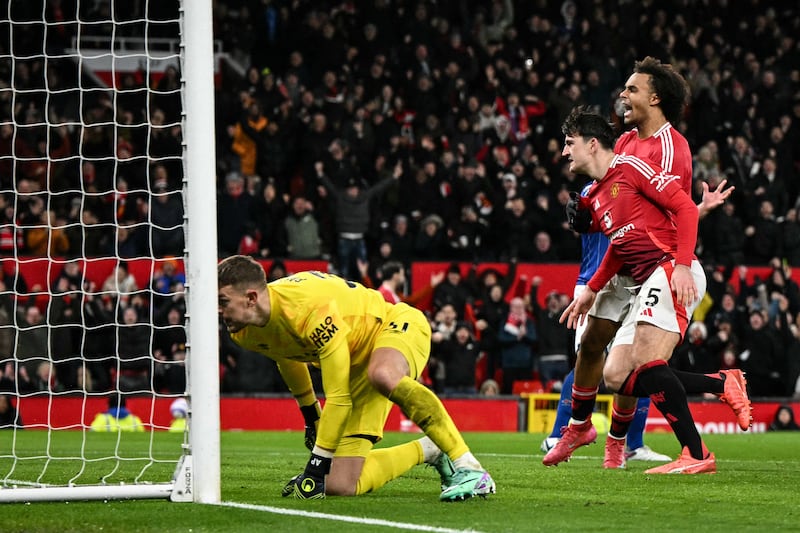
(366, 133)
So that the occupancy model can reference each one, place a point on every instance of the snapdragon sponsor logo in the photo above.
(622, 231)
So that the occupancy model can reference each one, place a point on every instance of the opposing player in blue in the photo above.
(594, 246)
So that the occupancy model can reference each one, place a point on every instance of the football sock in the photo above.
(467, 461)
(583, 400)
(636, 429)
(429, 449)
(425, 409)
(564, 410)
(621, 419)
(656, 380)
(385, 464)
(700, 383)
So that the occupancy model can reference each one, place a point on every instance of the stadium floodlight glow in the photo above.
(83, 157)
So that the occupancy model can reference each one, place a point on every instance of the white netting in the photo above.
(92, 297)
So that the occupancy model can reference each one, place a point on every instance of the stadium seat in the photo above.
(521, 387)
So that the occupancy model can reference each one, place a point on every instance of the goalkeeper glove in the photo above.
(310, 485)
(579, 218)
(311, 414)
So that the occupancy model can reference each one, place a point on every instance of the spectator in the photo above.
(763, 236)
(9, 416)
(443, 329)
(489, 388)
(517, 337)
(467, 236)
(518, 226)
(543, 252)
(234, 213)
(120, 281)
(351, 206)
(32, 339)
(269, 213)
(166, 218)
(693, 354)
(393, 284)
(453, 291)
(790, 237)
(554, 338)
(761, 356)
(179, 409)
(430, 242)
(246, 134)
(167, 278)
(784, 420)
(482, 284)
(491, 313)
(724, 236)
(302, 230)
(277, 270)
(46, 237)
(164, 145)
(459, 355)
(116, 418)
(401, 240)
(133, 349)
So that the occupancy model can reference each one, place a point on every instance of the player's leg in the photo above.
(625, 410)
(660, 324)
(653, 377)
(729, 385)
(607, 316)
(357, 468)
(401, 351)
(636, 429)
(563, 413)
(635, 448)
(564, 410)
(588, 372)
(611, 305)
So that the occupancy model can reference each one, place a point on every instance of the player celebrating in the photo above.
(652, 226)
(370, 353)
(653, 97)
(593, 249)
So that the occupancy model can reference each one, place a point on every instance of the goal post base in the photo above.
(183, 481)
(86, 493)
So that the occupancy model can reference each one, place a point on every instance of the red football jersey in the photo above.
(666, 147)
(634, 205)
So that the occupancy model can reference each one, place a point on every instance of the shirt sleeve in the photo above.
(669, 194)
(610, 265)
(296, 377)
(334, 361)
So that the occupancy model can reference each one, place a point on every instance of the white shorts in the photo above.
(655, 304)
(615, 299)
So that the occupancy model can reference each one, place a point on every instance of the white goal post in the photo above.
(74, 165)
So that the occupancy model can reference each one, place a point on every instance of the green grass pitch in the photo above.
(755, 489)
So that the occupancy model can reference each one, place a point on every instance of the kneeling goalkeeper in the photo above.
(370, 354)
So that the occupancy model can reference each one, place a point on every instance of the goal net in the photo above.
(107, 295)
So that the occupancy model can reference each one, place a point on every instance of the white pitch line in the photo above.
(344, 518)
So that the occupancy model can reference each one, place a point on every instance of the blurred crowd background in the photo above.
(361, 134)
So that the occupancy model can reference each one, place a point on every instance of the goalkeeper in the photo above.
(370, 354)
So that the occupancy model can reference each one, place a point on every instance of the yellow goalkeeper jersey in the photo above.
(325, 320)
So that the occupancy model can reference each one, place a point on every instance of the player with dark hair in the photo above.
(652, 226)
(593, 249)
(654, 95)
(370, 353)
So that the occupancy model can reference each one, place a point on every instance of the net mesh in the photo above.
(92, 294)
